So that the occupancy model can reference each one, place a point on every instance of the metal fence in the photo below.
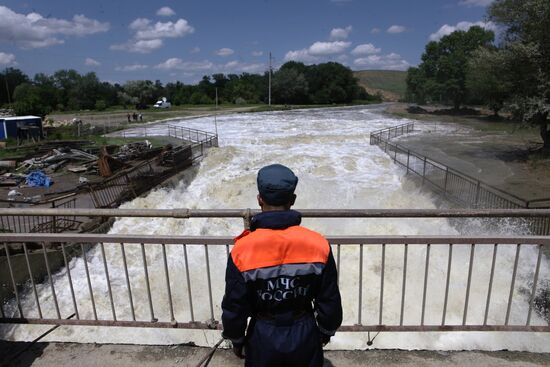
(457, 187)
(42, 223)
(387, 283)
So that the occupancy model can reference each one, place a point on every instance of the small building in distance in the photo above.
(21, 128)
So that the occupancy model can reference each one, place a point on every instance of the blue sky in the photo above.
(122, 40)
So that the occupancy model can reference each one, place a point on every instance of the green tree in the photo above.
(441, 77)
(9, 80)
(527, 55)
(289, 87)
(488, 78)
(28, 101)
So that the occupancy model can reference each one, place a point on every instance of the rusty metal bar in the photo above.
(128, 286)
(13, 282)
(382, 270)
(360, 297)
(450, 260)
(167, 276)
(146, 272)
(306, 213)
(344, 328)
(223, 240)
(90, 290)
(404, 283)
(468, 284)
(512, 285)
(188, 278)
(51, 280)
(209, 281)
(534, 288)
(491, 277)
(31, 276)
(424, 291)
(109, 290)
(70, 280)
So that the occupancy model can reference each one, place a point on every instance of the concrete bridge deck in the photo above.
(88, 355)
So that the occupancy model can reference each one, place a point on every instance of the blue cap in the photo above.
(276, 184)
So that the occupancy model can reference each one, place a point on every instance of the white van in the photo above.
(162, 103)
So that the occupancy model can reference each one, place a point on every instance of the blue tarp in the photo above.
(38, 179)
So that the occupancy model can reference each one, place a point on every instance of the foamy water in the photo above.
(329, 151)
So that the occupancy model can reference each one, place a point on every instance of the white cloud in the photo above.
(475, 2)
(394, 29)
(34, 31)
(130, 68)
(165, 11)
(91, 62)
(302, 55)
(178, 64)
(257, 53)
(139, 46)
(195, 50)
(365, 49)
(390, 61)
(7, 59)
(375, 30)
(328, 48)
(340, 33)
(461, 26)
(225, 52)
(191, 67)
(145, 30)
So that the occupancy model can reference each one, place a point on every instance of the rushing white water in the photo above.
(329, 151)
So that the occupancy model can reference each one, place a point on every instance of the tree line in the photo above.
(469, 67)
(68, 90)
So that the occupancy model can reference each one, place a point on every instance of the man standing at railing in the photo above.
(283, 277)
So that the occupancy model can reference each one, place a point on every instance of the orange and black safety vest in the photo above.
(279, 267)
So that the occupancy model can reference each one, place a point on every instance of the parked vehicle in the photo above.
(162, 103)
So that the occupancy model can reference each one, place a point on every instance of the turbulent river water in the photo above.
(329, 151)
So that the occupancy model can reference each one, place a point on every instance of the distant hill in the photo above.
(391, 84)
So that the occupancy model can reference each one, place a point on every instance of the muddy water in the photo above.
(328, 150)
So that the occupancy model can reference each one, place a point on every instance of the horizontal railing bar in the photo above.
(223, 240)
(306, 213)
(208, 326)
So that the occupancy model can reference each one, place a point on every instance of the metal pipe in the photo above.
(307, 213)
(188, 278)
(382, 270)
(491, 277)
(31, 276)
(167, 276)
(209, 281)
(128, 287)
(450, 260)
(534, 288)
(360, 298)
(146, 273)
(51, 280)
(109, 290)
(427, 262)
(90, 290)
(14, 284)
(404, 283)
(469, 282)
(512, 285)
(70, 280)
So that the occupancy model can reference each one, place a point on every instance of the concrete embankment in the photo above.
(84, 355)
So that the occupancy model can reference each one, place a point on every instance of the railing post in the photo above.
(478, 187)
(446, 178)
(247, 219)
(408, 159)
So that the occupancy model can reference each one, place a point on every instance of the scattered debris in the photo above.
(38, 179)
(13, 194)
(83, 180)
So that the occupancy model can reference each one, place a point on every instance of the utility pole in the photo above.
(269, 78)
(7, 87)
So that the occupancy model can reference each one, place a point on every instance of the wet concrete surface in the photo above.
(84, 355)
